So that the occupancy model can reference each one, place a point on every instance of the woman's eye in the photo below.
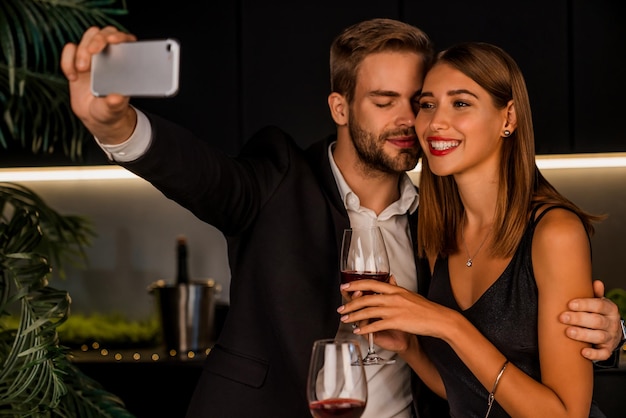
(459, 103)
(425, 105)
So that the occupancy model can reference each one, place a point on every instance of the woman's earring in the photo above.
(507, 133)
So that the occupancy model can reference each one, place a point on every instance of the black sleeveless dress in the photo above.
(506, 314)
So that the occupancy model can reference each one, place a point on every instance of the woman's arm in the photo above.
(562, 265)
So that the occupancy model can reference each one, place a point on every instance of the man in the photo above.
(283, 210)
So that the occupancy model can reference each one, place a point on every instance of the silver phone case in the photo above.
(148, 68)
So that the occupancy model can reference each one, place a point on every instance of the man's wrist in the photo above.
(613, 360)
(623, 340)
(135, 146)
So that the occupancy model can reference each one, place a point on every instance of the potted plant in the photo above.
(36, 376)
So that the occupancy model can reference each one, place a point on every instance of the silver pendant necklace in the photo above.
(470, 258)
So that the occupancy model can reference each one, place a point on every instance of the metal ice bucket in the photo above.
(187, 314)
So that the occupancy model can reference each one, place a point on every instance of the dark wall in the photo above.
(535, 33)
(267, 62)
(209, 97)
(598, 75)
(247, 63)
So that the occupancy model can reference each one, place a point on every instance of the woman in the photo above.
(506, 252)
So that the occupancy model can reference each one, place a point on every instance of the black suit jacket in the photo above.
(281, 213)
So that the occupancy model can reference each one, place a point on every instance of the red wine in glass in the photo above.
(350, 276)
(364, 256)
(331, 408)
(336, 384)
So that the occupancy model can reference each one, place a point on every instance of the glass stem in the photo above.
(371, 350)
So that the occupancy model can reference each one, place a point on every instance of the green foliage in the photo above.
(618, 295)
(36, 376)
(63, 238)
(114, 330)
(34, 97)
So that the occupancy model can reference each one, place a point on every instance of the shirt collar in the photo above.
(409, 198)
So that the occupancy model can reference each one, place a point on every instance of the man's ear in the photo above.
(338, 108)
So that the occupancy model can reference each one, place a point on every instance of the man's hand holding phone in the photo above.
(111, 119)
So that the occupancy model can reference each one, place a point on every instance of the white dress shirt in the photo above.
(389, 386)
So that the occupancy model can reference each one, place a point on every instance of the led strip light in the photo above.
(544, 162)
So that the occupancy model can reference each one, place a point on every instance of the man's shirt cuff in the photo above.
(135, 146)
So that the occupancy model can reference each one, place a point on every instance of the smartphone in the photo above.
(147, 68)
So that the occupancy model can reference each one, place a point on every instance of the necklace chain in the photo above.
(470, 258)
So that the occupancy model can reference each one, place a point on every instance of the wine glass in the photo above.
(337, 385)
(364, 256)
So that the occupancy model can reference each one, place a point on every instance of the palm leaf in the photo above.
(64, 237)
(36, 375)
(33, 92)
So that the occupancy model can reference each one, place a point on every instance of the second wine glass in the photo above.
(337, 385)
(364, 256)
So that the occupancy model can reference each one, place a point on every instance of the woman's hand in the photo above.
(392, 340)
(393, 313)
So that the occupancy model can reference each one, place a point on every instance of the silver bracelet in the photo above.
(492, 395)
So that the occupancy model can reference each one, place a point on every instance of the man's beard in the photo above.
(369, 148)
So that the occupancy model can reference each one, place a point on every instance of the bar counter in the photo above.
(154, 383)
(151, 382)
